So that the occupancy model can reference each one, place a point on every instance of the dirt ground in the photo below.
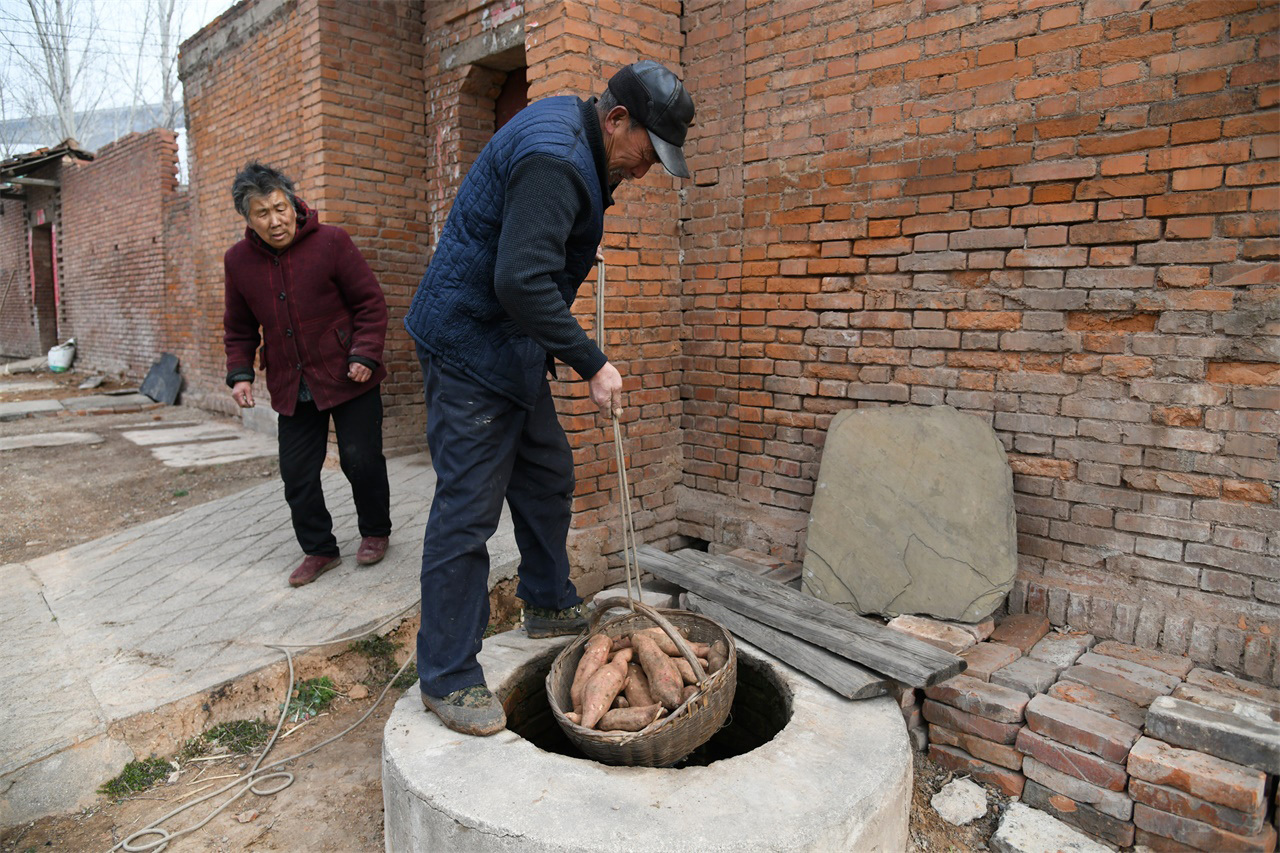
(53, 498)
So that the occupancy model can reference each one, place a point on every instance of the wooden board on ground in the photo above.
(888, 652)
(840, 674)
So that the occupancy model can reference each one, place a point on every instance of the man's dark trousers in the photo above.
(484, 448)
(304, 439)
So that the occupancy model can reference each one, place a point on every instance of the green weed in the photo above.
(310, 697)
(137, 776)
(239, 736)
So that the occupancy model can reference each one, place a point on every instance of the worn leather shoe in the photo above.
(372, 549)
(311, 568)
(472, 710)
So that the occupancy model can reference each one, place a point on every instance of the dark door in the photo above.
(512, 99)
(46, 309)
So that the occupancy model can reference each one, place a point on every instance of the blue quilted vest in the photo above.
(455, 314)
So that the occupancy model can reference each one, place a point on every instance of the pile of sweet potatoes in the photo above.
(624, 684)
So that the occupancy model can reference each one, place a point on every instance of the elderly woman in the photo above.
(324, 321)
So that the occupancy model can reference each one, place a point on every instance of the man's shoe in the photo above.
(540, 622)
(372, 549)
(311, 568)
(471, 711)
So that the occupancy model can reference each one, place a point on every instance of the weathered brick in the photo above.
(1182, 804)
(1008, 782)
(981, 698)
(1061, 649)
(1117, 804)
(962, 721)
(935, 632)
(1080, 727)
(1080, 815)
(1112, 682)
(1229, 736)
(985, 658)
(1200, 836)
(1021, 630)
(994, 753)
(1143, 676)
(1204, 776)
(1026, 675)
(1073, 762)
(1100, 701)
(1232, 702)
(1229, 684)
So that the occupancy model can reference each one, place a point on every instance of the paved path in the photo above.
(129, 623)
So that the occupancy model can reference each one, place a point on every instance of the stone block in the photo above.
(1110, 682)
(986, 658)
(1024, 829)
(1073, 762)
(935, 632)
(1213, 779)
(1079, 727)
(1248, 690)
(987, 750)
(1080, 815)
(1228, 736)
(1199, 835)
(962, 721)
(1142, 675)
(919, 737)
(1026, 675)
(1061, 649)
(1008, 782)
(1181, 803)
(1021, 630)
(978, 697)
(1233, 703)
(913, 513)
(1118, 804)
(1175, 665)
(1100, 701)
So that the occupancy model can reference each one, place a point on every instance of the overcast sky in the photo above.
(114, 52)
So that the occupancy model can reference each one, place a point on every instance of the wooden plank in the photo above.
(840, 674)
(891, 653)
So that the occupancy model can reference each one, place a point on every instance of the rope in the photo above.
(629, 556)
(257, 775)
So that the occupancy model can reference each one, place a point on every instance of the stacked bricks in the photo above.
(973, 724)
(1204, 773)
(1124, 743)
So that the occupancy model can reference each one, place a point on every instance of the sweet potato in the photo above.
(623, 642)
(621, 701)
(603, 687)
(718, 656)
(660, 637)
(573, 717)
(629, 719)
(664, 678)
(594, 656)
(638, 686)
(686, 671)
(689, 691)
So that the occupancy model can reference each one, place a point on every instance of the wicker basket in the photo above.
(674, 736)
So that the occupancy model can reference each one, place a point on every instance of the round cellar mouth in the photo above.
(761, 709)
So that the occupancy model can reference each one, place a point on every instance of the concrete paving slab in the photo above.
(27, 408)
(170, 434)
(130, 402)
(49, 439)
(176, 606)
(215, 452)
(18, 386)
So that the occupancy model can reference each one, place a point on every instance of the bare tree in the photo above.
(58, 48)
(168, 15)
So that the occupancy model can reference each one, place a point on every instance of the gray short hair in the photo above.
(606, 101)
(256, 179)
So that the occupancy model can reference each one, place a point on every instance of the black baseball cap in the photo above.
(660, 102)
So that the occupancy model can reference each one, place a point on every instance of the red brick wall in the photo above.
(1060, 217)
(17, 331)
(332, 94)
(115, 291)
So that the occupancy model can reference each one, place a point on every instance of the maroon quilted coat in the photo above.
(319, 306)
